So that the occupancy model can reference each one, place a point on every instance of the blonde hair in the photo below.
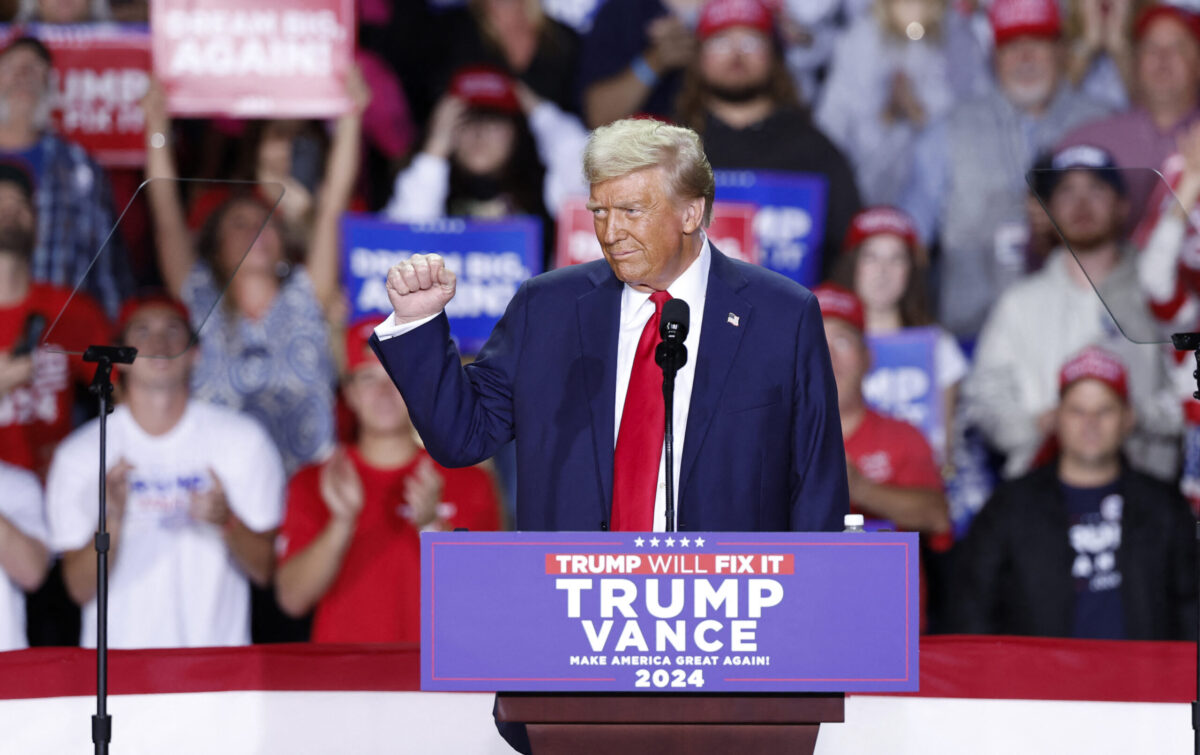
(633, 144)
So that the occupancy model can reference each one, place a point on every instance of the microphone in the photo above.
(31, 333)
(674, 323)
(671, 354)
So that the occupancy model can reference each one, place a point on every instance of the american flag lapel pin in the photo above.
(733, 319)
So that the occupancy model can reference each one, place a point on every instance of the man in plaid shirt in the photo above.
(72, 199)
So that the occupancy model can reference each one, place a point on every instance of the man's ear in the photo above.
(693, 215)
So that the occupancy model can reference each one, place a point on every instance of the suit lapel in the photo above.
(719, 341)
(599, 313)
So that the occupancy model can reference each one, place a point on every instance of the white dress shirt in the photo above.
(636, 310)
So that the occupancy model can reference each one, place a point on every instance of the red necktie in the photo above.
(640, 439)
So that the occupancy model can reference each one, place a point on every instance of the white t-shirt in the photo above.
(21, 505)
(174, 582)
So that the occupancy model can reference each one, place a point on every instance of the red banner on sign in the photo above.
(670, 563)
(731, 231)
(269, 59)
(99, 76)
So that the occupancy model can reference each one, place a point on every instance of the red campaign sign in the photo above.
(99, 76)
(269, 59)
(731, 231)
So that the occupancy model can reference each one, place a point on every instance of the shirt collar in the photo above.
(689, 286)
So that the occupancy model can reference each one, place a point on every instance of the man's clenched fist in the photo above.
(419, 287)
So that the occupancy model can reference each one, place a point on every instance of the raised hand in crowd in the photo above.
(275, 166)
(333, 199)
(79, 566)
(903, 104)
(1188, 189)
(1106, 25)
(22, 558)
(909, 508)
(253, 551)
(174, 244)
(116, 493)
(210, 505)
(15, 371)
(422, 494)
(342, 489)
(670, 47)
(305, 577)
(1105, 30)
(672, 44)
(444, 124)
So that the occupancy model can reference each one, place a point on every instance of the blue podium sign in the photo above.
(678, 612)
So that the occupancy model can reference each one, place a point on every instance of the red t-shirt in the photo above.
(376, 596)
(892, 452)
(35, 416)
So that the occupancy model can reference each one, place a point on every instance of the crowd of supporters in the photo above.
(1015, 178)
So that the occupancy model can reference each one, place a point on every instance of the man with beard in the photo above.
(738, 95)
(1040, 322)
(968, 189)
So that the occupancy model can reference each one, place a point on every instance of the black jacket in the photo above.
(1013, 573)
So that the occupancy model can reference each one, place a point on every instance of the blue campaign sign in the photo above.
(790, 222)
(490, 257)
(902, 382)
(677, 612)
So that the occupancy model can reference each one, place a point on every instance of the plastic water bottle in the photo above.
(853, 523)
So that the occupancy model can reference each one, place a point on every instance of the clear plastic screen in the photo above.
(236, 235)
(1146, 284)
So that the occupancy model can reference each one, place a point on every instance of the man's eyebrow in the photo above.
(593, 205)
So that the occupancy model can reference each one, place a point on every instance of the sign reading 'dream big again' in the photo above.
(676, 612)
(490, 257)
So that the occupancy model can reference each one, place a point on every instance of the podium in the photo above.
(691, 724)
(610, 642)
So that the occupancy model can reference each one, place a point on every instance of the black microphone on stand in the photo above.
(671, 354)
(31, 333)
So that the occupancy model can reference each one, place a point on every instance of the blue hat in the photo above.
(1096, 160)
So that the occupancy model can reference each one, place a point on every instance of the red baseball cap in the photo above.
(1019, 18)
(719, 15)
(358, 352)
(880, 220)
(152, 299)
(1187, 18)
(840, 304)
(485, 88)
(1094, 363)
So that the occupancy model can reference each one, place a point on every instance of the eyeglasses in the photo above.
(725, 44)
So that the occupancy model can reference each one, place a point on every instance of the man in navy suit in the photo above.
(758, 438)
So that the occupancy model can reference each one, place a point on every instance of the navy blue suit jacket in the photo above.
(763, 447)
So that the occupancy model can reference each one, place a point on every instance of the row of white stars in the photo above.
(670, 542)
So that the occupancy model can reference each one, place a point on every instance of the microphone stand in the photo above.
(671, 354)
(104, 357)
(1191, 342)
